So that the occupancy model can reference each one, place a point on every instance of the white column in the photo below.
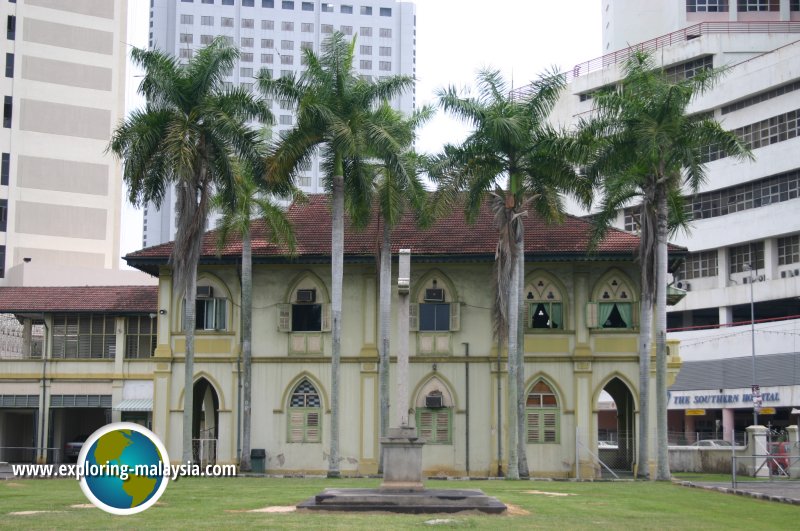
(403, 291)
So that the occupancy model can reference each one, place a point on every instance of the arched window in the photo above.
(615, 304)
(306, 310)
(434, 313)
(545, 308)
(434, 413)
(542, 414)
(305, 410)
(211, 306)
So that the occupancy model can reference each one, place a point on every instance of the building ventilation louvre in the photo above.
(103, 401)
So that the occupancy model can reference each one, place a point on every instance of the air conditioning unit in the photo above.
(434, 295)
(434, 401)
(761, 278)
(797, 272)
(785, 274)
(745, 280)
(205, 292)
(682, 284)
(306, 295)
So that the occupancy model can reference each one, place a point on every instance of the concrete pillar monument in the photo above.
(402, 449)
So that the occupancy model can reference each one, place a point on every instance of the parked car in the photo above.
(606, 445)
(779, 463)
(73, 448)
(711, 443)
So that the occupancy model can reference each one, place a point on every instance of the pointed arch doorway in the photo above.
(616, 431)
(205, 422)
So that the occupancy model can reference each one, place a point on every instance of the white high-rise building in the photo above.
(63, 91)
(746, 213)
(272, 34)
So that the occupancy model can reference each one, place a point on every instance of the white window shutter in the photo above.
(455, 316)
(296, 426)
(284, 317)
(326, 317)
(413, 317)
(592, 315)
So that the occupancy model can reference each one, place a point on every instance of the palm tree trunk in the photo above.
(663, 472)
(519, 298)
(247, 354)
(645, 334)
(513, 340)
(383, 332)
(337, 272)
(190, 320)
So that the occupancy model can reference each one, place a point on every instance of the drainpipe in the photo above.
(499, 413)
(239, 375)
(466, 375)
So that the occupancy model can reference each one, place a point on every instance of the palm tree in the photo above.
(336, 114)
(510, 145)
(251, 200)
(395, 193)
(187, 135)
(649, 147)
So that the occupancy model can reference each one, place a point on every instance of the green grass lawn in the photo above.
(225, 502)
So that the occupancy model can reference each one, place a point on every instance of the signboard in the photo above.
(695, 412)
(774, 397)
(767, 410)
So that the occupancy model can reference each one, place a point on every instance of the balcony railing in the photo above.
(676, 37)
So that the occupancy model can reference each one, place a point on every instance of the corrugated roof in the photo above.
(106, 299)
(734, 373)
(450, 235)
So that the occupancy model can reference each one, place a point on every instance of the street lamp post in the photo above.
(755, 388)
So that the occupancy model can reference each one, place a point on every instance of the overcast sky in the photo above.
(455, 38)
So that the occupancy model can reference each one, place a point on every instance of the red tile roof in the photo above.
(450, 235)
(106, 299)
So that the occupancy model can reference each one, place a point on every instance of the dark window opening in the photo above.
(434, 317)
(2, 261)
(306, 317)
(774, 309)
(615, 319)
(3, 214)
(11, 27)
(5, 170)
(7, 112)
(9, 65)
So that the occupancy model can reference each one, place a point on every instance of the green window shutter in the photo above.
(455, 316)
(284, 317)
(326, 317)
(312, 427)
(592, 311)
(550, 426)
(296, 426)
(413, 317)
(636, 308)
(443, 419)
(425, 424)
(533, 427)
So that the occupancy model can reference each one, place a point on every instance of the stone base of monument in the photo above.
(402, 490)
(414, 502)
(402, 460)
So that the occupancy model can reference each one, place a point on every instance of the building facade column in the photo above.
(727, 425)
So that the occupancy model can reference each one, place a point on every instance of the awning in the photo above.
(136, 404)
